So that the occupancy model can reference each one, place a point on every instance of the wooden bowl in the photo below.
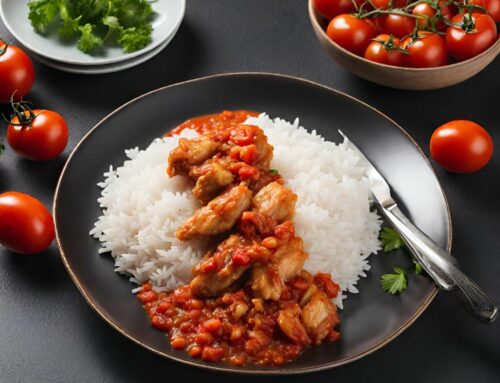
(399, 77)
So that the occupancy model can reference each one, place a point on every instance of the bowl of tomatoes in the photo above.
(405, 44)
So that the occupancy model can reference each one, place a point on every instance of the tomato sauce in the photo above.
(220, 121)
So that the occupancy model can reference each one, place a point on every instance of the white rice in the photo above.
(142, 208)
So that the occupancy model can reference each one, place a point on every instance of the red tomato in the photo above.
(461, 146)
(16, 73)
(396, 25)
(425, 10)
(331, 8)
(26, 226)
(42, 139)
(384, 4)
(428, 50)
(464, 44)
(386, 52)
(351, 33)
(491, 6)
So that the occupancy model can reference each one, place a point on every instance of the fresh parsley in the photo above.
(274, 172)
(391, 240)
(394, 283)
(93, 22)
(418, 268)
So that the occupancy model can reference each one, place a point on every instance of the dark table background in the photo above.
(49, 334)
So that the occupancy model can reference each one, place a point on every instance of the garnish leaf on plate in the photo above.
(391, 240)
(394, 283)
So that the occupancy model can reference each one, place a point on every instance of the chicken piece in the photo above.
(319, 316)
(212, 180)
(218, 216)
(219, 273)
(267, 281)
(191, 152)
(291, 325)
(264, 149)
(275, 201)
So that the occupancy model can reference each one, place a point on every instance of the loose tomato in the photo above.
(331, 8)
(351, 33)
(26, 226)
(491, 6)
(42, 139)
(17, 73)
(396, 25)
(477, 33)
(426, 51)
(461, 146)
(385, 49)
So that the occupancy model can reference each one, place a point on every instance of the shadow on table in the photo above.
(108, 91)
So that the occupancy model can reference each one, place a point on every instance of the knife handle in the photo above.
(441, 266)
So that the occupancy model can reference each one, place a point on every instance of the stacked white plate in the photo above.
(50, 50)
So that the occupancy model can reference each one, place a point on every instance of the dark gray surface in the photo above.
(49, 334)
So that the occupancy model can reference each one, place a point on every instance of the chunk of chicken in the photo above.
(319, 316)
(218, 216)
(264, 149)
(291, 325)
(212, 180)
(267, 281)
(275, 201)
(218, 273)
(191, 152)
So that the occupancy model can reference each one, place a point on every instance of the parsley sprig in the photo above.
(397, 282)
(95, 21)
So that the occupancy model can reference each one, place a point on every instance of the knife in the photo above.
(437, 262)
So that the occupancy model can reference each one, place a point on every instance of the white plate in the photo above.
(14, 13)
(101, 69)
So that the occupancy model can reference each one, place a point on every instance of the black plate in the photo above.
(370, 319)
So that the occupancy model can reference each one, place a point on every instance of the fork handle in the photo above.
(441, 266)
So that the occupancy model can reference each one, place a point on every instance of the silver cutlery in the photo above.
(437, 262)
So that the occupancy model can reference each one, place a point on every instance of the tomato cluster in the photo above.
(419, 34)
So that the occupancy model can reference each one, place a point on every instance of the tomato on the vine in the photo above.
(37, 135)
(351, 33)
(491, 6)
(396, 25)
(331, 8)
(385, 49)
(477, 33)
(425, 51)
(385, 4)
(17, 73)
(461, 146)
(26, 226)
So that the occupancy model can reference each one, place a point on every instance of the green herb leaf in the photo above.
(133, 39)
(42, 13)
(89, 40)
(391, 239)
(394, 283)
(2, 148)
(418, 268)
(273, 172)
(70, 26)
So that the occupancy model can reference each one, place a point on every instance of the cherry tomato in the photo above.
(464, 44)
(491, 6)
(384, 4)
(16, 73)
(42, 139)
(426, 10)
(396, 25)
(386, 52)
(331, 8)
(461, 146)
(351, 33)
(26, 226)
(428, 50)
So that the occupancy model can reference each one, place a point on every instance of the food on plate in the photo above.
(26, 226)
(385, 49)
(474, 33)
(17, 73)
(95, 22)
(238, 266)
(415, 29)
(461, 146)
(36, 134)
